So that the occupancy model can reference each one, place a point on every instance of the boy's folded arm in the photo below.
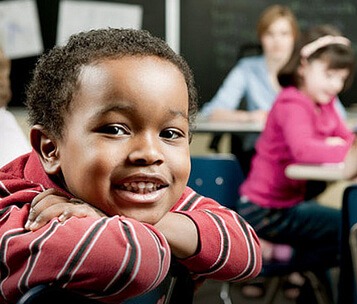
(228, 246)
(180, 232)
(103, 257)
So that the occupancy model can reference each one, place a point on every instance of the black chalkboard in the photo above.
(153, 20)
(213, 30)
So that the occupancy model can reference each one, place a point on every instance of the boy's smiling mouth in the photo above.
(141, 187)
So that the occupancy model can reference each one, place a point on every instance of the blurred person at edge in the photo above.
(13, 142)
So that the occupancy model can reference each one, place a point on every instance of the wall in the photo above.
(211, 31)
(153, 20)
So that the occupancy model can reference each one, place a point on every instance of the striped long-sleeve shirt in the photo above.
(107, 258)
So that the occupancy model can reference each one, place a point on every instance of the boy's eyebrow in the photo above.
(114, 108)
(128, 108)
(179, 113)
(110, 108)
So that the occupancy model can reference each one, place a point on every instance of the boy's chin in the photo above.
(148, 217)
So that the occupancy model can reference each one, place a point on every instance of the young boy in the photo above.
(111, 113)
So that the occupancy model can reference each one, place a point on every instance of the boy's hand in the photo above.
(51, 203)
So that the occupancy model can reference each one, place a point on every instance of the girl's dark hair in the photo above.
(338, 56)
(55, 79)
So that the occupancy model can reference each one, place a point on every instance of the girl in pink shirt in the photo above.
(302, 127)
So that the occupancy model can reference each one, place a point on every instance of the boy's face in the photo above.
(125, 148)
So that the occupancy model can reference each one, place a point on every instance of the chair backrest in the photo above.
(217, 176)
(348, 289)
(177, 288)
(45, 294)
(353, 247)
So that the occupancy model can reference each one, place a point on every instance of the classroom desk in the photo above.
(219, 127)
(202, 126)
(323, 172)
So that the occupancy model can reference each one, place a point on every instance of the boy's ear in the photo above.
(46, 148)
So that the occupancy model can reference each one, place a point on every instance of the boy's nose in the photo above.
(146, 150)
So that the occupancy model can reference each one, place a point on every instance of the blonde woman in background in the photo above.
(254, 78)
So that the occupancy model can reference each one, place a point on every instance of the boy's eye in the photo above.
(171, 134)
(113, 130)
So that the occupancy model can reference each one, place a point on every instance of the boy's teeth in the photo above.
(140, 187)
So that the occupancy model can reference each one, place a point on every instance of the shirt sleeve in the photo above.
(106, 259)
(229, 248)
(306, 145)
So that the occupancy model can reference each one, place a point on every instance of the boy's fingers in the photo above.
(37, 219)
(43, 203)
(32, 214)
(43, 195)
(52, 203)
(63, 211)
(82, 210)
(60, 210)
(42, 210)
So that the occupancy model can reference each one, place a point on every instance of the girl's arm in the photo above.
(304, 141)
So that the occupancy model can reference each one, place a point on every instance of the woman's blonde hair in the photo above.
(273, 13)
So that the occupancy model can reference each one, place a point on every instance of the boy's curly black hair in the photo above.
(55, 79)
